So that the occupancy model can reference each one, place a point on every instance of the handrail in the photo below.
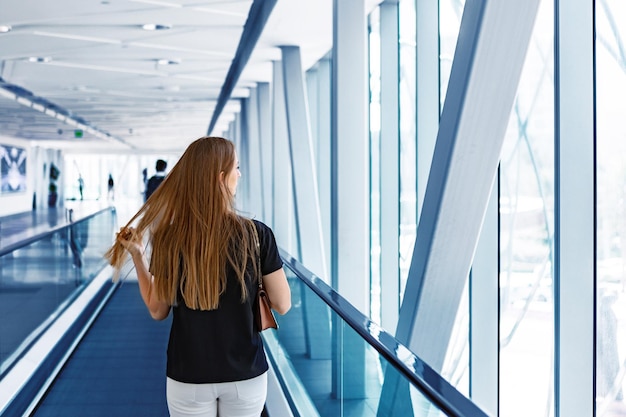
(38, 236)
(427, 380)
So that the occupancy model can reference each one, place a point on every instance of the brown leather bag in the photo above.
(263, 315)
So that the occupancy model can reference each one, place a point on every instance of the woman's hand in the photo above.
(131, 241)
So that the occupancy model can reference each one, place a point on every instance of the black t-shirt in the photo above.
(153, 184)
(222, 345)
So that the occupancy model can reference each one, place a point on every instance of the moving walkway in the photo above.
(95, 350)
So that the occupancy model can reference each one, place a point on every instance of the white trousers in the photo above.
(227, 399)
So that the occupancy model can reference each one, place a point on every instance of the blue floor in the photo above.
(118, 368)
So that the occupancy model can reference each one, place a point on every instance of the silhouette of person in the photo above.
(156, 179)
(81, 185)
(111, 188)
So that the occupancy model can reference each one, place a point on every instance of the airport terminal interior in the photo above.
(445, 179)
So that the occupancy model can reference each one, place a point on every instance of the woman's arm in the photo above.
(278, 290)
(158, 309)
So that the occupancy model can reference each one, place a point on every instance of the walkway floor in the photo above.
(118, 369)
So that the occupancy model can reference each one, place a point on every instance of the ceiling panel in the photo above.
(135, 89)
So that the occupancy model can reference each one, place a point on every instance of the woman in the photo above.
(202, 267)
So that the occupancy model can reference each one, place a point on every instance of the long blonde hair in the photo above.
(194, 229)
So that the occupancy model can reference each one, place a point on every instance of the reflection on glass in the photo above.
(611, 208)
(37, 280)
(342, 375)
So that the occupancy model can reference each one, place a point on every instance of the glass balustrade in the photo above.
(41, 274)
(334, 361)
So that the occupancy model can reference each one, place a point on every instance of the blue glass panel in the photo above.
(345, 364)
(39, 279)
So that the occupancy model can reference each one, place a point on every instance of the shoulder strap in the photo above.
(257, 246)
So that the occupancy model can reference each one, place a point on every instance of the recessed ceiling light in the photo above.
(164, 61)
(156, 26)
(39, 59)
(5, 28)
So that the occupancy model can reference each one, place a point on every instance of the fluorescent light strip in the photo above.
(7, 94)
(24, 101)
(174, 48)
(158, 3)
(220, 12)
(199, 9)
(78, 37)
(140, 72)
(139, 44)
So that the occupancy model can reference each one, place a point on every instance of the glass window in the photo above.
(526, 225)
(526, 234)
(611, 207)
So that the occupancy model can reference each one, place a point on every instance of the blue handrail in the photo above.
(432, 385)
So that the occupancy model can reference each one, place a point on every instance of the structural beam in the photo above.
(350, 222)
(282, 184)
(257, 18)
(302, 163)
(490, 53)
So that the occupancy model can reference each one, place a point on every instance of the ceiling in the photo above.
(131, 88)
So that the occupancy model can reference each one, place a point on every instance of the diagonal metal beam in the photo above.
(488, 61)
(257, 18)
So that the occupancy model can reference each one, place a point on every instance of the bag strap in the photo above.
(257, 246)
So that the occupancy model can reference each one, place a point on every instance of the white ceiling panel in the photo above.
(131, 88)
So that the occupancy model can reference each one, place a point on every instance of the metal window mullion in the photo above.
(389, 165)
(323, 164)
(266, 142)
(427, 91)
(574, 231)
(254, 175)
(312, 100)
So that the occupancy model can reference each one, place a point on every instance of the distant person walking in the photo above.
(156, 179)
(111, 188)
(81, 186)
